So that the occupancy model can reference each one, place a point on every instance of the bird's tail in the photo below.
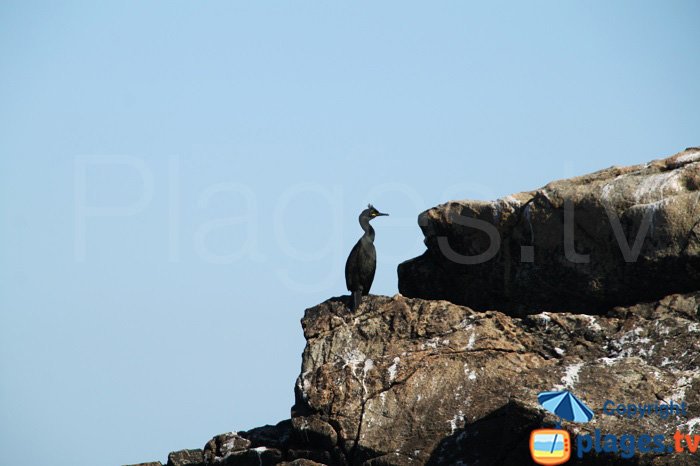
(356, 299)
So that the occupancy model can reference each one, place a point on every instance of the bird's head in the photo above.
(370, 212)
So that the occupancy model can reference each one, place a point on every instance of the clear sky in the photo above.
(180, 180)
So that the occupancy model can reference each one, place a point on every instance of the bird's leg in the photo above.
(356, 299)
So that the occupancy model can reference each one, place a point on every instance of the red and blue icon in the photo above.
(550, 446)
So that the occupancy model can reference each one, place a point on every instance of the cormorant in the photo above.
(362, 261)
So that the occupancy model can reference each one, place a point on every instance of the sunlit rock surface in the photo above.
(433, 382)
(409, 381)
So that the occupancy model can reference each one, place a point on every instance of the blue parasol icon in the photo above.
(565, 405)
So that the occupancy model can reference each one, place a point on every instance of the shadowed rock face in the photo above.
(532, 271)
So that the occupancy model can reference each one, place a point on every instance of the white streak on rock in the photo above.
(353, 358)
(472, 341)
(369, 364)
(686, 158)
(682, 385)
(691, 425)
(528, 217)
(653, 188)
(458, 418)
(392, 369)
(592, 323)
(570, 377)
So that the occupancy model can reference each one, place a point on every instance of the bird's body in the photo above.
(362, 261)
(360, 267)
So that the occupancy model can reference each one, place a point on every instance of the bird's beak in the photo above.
(379, 214)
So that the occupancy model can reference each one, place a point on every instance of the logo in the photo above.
(550, 446)
(553, 446)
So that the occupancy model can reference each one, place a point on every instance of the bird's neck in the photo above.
(369, 231)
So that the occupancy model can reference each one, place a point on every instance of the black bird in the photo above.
(362, 261)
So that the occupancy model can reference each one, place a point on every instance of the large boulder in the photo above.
(405, 381)
(408, 381)
(615, 237)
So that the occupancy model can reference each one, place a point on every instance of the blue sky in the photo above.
(180, 180)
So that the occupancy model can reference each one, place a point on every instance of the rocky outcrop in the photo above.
(594, 288)
(408, 381)
(615, 237)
